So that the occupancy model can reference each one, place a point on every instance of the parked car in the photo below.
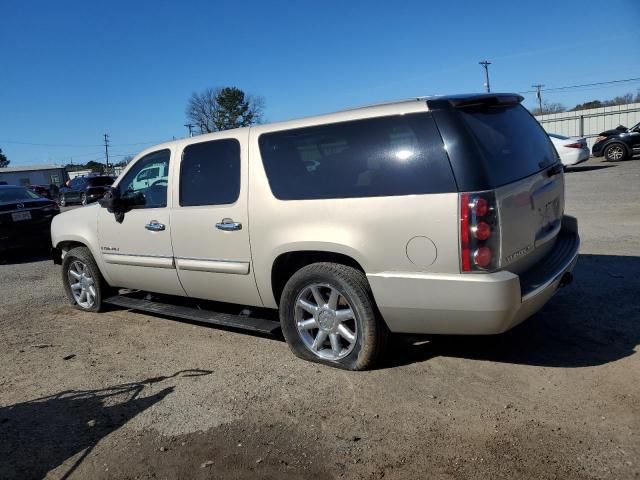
(572, 150)
(439, 215)
(25, 218)
(41, 190)
(85, 190)
(618, 144)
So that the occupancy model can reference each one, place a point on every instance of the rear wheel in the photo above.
(328, 316)
(83, 283)
(615, 152)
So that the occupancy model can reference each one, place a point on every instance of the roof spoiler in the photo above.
(475, 100)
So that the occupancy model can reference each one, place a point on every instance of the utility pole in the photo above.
(106, 147)
(539, 97)
(485, 64)
(190, 127)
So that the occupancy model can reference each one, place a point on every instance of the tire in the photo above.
(91, 277)
(62, 200)
(615, 152)
(354, 343)
(83, 199)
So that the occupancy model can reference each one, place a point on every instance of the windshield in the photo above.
(16, 194)
(512, 142)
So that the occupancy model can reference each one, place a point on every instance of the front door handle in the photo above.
(228, 225)
(155, 226)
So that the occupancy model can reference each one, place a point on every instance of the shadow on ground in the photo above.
(25, 255)
(594, 321)
(39, 435)
(586, 168)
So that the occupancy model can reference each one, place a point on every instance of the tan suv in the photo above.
(438, 215)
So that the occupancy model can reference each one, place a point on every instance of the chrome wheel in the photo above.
(83, 199)
(82, 284)
(326, 322)
(615, 153)
(63, 200)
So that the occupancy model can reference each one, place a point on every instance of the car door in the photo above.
(209, 221)
(137, 251)
(72, 194)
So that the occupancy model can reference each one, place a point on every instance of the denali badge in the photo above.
(519, 253)
(110, 249)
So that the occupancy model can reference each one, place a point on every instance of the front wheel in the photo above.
(63, 200)
(615, 152)
(83, 199)
(328, 315)
(83, 283)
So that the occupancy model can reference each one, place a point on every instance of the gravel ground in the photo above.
(127, 395)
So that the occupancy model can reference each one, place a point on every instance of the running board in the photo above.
(188, 313)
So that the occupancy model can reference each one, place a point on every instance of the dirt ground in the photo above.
(127, 395)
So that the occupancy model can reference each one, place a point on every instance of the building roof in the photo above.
(30, 168)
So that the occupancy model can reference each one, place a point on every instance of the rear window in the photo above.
(100, 181)
(16, 194)
(396, 155)
(513, 143)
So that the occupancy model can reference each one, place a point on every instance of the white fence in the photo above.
(589, 123)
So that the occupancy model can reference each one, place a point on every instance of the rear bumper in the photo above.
(25, 237)
(470, 304)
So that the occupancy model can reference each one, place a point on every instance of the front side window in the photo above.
(383, 156)
(150, 192)
(210, 173)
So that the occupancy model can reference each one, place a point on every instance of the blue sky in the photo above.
(73, 70)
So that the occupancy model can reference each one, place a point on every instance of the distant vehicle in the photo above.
(151, 175)
(572, 150)
(618, 144)
(85, 190)
(25, 218)
(40, 190)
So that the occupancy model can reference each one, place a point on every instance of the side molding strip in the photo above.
(139, 260)
(215, 266)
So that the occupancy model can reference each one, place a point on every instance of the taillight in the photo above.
(574, 145)
(479, 232)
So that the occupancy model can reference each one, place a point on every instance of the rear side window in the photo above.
(396, 155)
(210, 173)
(513, 143)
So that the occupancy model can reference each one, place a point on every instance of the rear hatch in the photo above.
(495, 144)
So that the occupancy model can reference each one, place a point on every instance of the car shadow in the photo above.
(594, 321)
(586, 168)
(41, 434)
(25, 255)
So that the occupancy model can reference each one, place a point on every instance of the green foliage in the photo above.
(4, 161)
(223, 108)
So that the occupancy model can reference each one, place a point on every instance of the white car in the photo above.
(572, 150)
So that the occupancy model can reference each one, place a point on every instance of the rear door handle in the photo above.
(228, 225)
(155, 226)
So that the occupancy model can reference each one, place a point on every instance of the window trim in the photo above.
(204, 205)
(133, 165)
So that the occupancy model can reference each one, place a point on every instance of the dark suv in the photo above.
(618, 144)
(85, 190)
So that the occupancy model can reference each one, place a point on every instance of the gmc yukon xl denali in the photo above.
(437, 215)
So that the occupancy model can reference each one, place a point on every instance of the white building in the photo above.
(34, 175)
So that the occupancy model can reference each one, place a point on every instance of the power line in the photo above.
(568, 87)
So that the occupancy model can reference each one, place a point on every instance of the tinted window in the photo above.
(397, 155)
(150, 192)
(100, 181)
(512, 142)
(210, 173)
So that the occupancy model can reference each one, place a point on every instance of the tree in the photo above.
(548, 108)
(4, 161)
(223, 108)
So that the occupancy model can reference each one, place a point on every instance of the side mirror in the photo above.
(111, 199)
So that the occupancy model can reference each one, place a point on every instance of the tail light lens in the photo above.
(574, 145)
(479, 232)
